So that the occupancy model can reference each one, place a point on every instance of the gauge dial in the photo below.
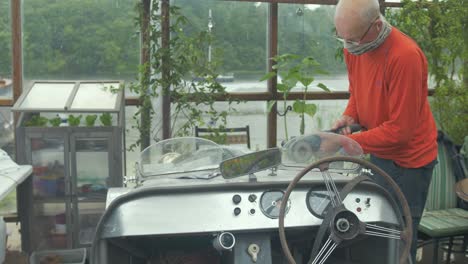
(270, 203)
(318, 201)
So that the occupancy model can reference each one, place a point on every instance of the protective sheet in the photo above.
(11, 174)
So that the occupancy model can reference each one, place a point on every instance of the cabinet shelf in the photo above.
(73, 166)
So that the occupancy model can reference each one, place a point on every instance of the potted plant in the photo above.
(37, 121)
(106, 119)
(90, 120)
(293, 71)
(74, 120)
(56, 121)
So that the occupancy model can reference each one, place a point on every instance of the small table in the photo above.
(461, 188)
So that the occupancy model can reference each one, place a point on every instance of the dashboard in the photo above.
(237, 208)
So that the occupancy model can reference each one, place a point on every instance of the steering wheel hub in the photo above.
(345, 225)
(342, 225)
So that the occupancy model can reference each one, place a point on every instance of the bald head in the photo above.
(353, 16)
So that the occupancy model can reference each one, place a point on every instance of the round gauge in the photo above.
(270, 203)
(317, 201)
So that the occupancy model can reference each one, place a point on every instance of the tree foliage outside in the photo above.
(91, 39)
(84, 39)
(5, 40)
(440, 28)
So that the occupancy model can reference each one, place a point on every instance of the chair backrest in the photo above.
(441, 194)
(225, 136)
(464, 156)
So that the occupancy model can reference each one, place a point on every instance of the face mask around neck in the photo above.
(358, 49)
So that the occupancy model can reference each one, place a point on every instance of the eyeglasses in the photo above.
(363, 36)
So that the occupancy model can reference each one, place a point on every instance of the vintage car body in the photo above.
(180, 215)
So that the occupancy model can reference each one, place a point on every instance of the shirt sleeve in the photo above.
(351, 106)
(405, 96)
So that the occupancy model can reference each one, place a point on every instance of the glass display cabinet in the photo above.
(72, 133)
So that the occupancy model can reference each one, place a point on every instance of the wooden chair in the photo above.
(225, 136)
(443, 218)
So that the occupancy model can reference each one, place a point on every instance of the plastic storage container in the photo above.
(66, 256)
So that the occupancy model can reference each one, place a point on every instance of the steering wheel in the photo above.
(342, 224)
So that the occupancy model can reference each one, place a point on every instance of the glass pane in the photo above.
(240, 39)
(328, 111)
(253, 114)
(7, 140)
(92, 165)
(80, 40)
(5, 51)
(131, 137)
(95, 96)
(49, 229)
(40, 96)
(48, 167)
(308, 30)
(89, 215)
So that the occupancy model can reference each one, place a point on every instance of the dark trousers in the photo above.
(414, 183)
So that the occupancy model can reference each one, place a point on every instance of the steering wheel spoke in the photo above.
(334, 194)
(380, 231)
(325, 251)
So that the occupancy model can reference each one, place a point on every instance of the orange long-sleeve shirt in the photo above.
(388, 88)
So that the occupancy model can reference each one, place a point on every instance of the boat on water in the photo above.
(220, 78)
(5, 86)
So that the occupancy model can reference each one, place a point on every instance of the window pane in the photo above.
(85, 39)
(95, 96)
(131, 136)
(252, 114)
(240, 39)
(308, 30)
(7, 141)
(5, 51)
(328, 111)
(39, 96)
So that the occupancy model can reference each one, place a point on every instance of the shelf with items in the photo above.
(49, 181)
(50, 226)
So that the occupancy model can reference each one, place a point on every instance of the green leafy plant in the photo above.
(37, 121)
(56, 121)
(74, 120)
(106, 119)
(90, 120)
(293, 71)
(439, 27)
(186, 76)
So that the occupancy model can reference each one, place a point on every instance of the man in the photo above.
(388, 86)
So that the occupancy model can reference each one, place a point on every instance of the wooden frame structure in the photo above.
(270, 94)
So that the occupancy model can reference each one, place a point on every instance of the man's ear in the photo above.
(379, 25)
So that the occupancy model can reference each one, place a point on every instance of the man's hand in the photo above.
(345, 121)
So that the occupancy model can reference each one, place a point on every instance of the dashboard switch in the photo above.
(237, 211)
(236, 199)
(252, 198)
